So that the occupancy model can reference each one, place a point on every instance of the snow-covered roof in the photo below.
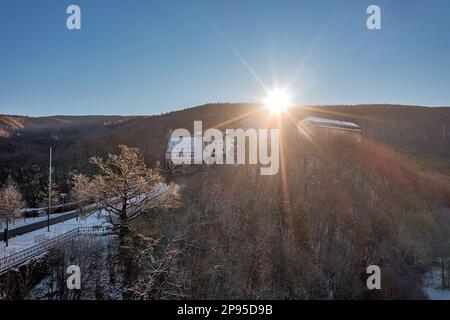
(185, 143)
(188, 144)
(316, 121)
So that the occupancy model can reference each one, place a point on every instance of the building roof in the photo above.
(188, 144)
(323, 122)
(185, 143)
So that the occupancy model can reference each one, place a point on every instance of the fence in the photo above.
(17, 231)
(44, 246)
(35, 212)
(35, 225)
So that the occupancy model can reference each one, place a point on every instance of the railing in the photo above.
(40, 223)
(60, 208)
(44, 246)
(94, 230)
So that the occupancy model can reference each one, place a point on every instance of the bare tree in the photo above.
(43, 196)
(122, 186)
(10, 203)
(159, 276)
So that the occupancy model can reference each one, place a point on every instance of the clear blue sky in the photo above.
(153, 56)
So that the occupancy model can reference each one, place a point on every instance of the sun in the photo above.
(277, 101)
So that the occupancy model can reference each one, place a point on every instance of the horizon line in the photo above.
(223, 103)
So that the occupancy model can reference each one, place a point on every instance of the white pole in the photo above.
(49, 190)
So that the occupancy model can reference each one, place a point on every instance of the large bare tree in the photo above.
(123, 185)
(11, 202)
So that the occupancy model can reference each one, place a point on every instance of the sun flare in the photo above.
(277, 101)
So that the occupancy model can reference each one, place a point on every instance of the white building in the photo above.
(187, 147)
(186, 144)
(326, 127)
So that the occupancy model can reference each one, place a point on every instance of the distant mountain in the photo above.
(419, 132)
(13, 124)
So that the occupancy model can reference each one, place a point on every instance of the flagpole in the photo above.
(49, 191)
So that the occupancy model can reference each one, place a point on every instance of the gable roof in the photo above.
(331, 123)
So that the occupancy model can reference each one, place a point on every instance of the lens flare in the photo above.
(277, 101)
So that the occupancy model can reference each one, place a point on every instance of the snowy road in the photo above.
(96, 218)
(27, 240)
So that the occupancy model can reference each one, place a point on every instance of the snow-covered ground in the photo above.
(21, 221)
(27, 240)
(436, 294)
(96, 218)
(432, 281)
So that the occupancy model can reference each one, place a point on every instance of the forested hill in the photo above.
(419, 132)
